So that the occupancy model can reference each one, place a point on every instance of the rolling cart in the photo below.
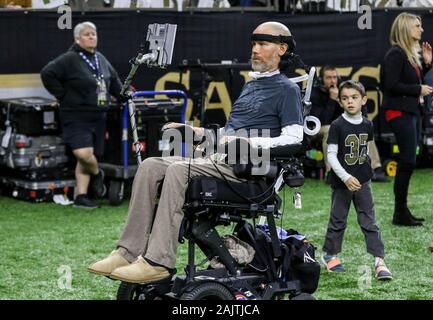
(152, 116)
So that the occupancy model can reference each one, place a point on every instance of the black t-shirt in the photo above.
(267, 103)
(352, 140)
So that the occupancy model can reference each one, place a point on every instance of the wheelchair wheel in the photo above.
(128, 291)
(133, 291)
(208, 291)
(116, 192)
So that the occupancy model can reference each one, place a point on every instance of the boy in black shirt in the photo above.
(350, 180)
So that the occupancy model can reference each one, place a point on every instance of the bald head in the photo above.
(266, 52)
(273, 28)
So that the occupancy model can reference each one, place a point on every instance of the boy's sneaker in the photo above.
(83, 202)
(381, 271)
(98, 187)
(332, 263)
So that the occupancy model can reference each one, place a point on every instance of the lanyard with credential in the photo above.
(101, 89)
(90, 64)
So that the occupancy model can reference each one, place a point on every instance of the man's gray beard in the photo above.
(260, 67)
(263, 66)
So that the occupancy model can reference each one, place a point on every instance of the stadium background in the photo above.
(33, 253)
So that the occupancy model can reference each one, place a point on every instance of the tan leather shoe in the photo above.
(105, 266)
(140, 271)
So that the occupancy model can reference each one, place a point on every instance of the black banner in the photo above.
(32, 38)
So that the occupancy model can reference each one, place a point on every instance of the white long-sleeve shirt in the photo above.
(291, 134)
(333, 150)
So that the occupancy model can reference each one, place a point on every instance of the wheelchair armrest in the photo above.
(276, 153)
(286, 152)
(246, 171)
(247, 165)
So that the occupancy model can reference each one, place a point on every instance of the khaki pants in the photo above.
(374, 155)
(372, 149)
(151, 234)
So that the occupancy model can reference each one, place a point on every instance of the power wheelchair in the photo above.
(211, 202)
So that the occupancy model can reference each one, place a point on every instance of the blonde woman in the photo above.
(404, 89)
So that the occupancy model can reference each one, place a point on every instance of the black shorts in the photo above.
(88, 132)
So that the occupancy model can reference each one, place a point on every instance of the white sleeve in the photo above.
(291, 134)
(335, 164)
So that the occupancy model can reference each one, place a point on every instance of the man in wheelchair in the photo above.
(197, 188)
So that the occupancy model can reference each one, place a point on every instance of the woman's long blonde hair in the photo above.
(401, 36)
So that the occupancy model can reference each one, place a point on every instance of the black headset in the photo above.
(289, 40)
(288, 58)
(320, 82)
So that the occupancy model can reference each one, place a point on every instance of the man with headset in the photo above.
(146, 250)
(326, 107)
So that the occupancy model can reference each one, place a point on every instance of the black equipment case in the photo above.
(37, 191)
(151, 115)
(30, 116)
(38, 174)
(23, 152)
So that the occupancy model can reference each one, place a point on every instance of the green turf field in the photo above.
(41, 243)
